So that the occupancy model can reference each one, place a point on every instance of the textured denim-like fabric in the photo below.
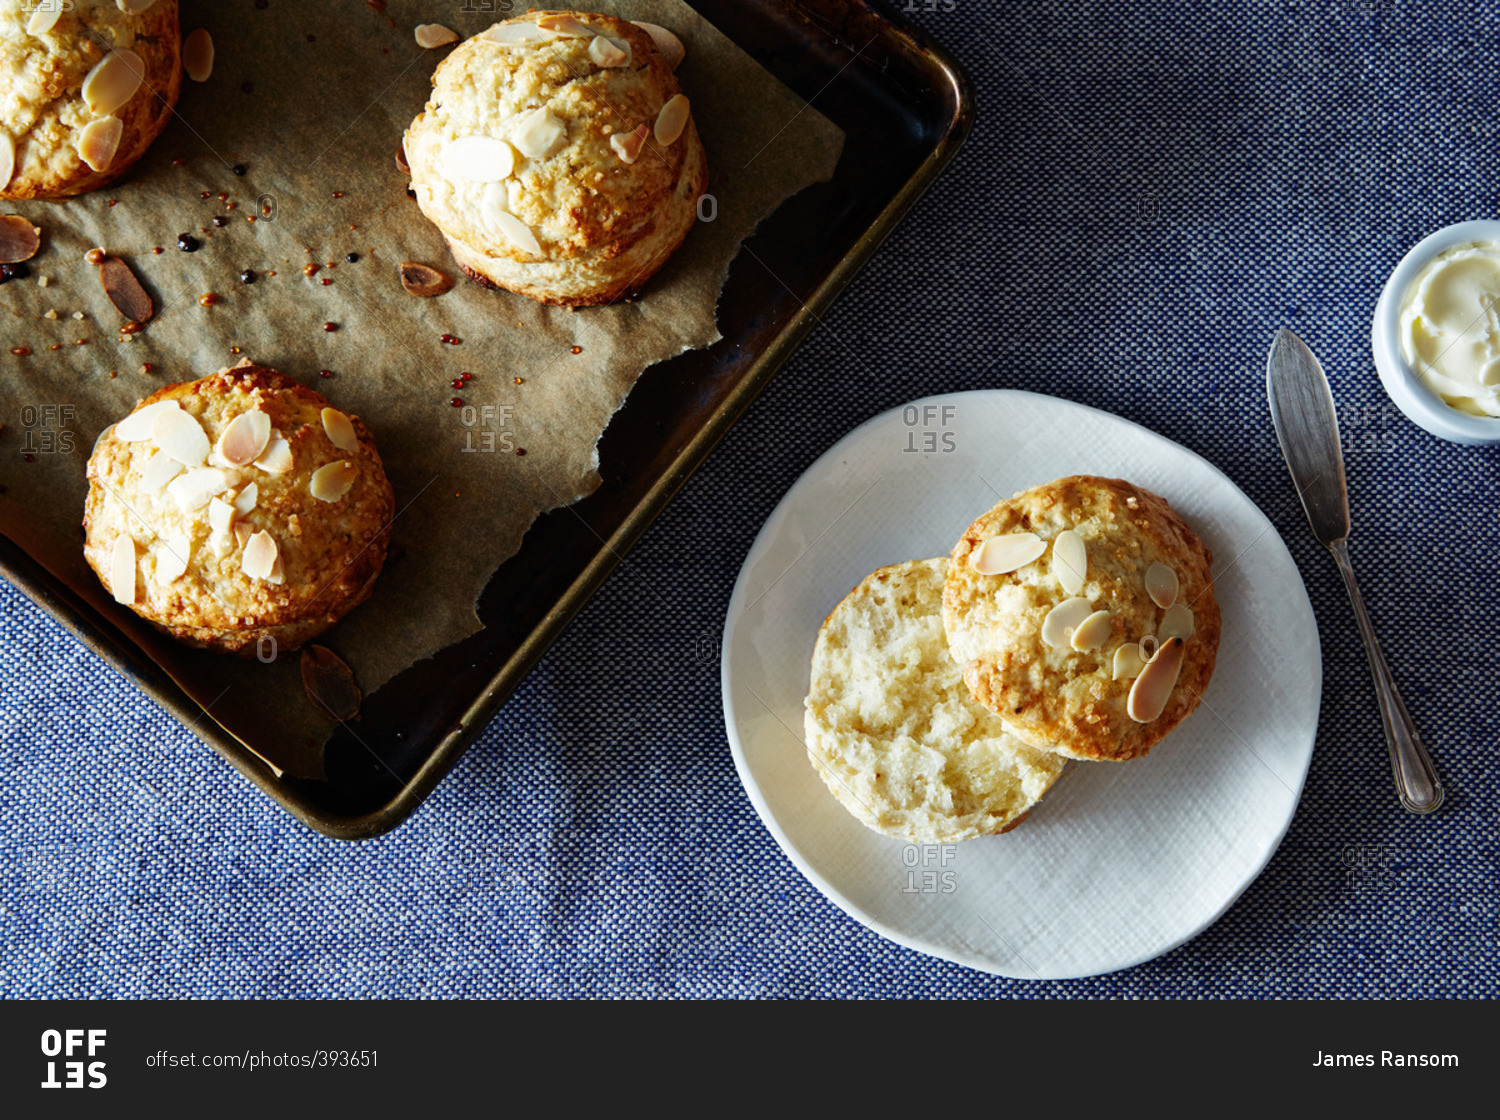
(1151, 189)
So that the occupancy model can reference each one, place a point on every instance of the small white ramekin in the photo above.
(1422, 406)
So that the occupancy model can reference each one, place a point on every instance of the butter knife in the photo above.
(1308, 430)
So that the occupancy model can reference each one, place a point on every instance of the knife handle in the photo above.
(1416, 780)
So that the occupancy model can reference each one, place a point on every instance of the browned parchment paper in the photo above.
(312, 99)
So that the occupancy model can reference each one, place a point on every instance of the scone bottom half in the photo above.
(559, 157)
(89, 85)
(1083, 614)
(241, 512)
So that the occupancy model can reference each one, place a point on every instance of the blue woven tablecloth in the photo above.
(1151, 189)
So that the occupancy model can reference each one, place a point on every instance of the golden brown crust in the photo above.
(1066, 700)
(603, 225)
(332, 552)
(40, 92)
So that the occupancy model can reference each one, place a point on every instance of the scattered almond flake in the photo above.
(19, 239)
(607, 53)
(669, 46)
(1070, 561)
(172, 556)
(245, 438)
(51, 314)
(134, 7)
(1092, 632)
(193, 489)
(159, 470)
(518, 232)
(277, 458)
(1006, 553)
(137, 426)
(220, 515)
(44, 18)
(480, 159)
(331, 481)
(330, 683)
(242, 532)
(1161, 584)
(99, 141)
(198, 55)
(1177, 622)
(113, 81)
(431, 35)
(628, 145)
(422, 280)
(340, 430)
(180, 435)
(672, 119)
(566, 26)
(42, 282)
(526, 34)
(245, 500)
(260, 555)
(122, 570)
(1063, 619)
(7, 159)
(1153, 688)
(124, 290)
(538, 134)
(1128, 661)
(78, 314)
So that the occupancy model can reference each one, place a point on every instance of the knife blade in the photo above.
(1307, 427)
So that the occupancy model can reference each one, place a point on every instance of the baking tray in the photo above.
(905, 108)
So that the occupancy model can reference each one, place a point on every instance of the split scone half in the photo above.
(891, 727)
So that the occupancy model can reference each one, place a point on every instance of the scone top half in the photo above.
(238, 508)
(1083, 614)
(558, 157)
(85, 86)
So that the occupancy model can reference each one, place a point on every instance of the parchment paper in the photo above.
(312, 99)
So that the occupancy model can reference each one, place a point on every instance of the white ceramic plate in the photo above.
(1122, 861)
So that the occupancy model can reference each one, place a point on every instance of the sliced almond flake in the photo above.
(278, 572)
(135, 7)
(431, 35)
(242, 533)
(1177, 622)
(1161, 584)
(99, 142)
(1070, 561)
(480, 159)
(526, 34)
(340, 430)
(7, 159)
(607, 53)
(193, 489)
(180, 435)
(423, 280)
(1063, 619)
(44, 18)
(1128, 661)
(245, 437)
(19, 239)
(113, 81)
(159, 470)
(669, 46)
(538, 134)
(220, 515)
(1153, 688)
(122, 570)
(245, 500)
(1006, 553)
(565, 26)
(277, 457)
(137, 426)
(627, 145)
(672, 119)
(331, 481)
(518, 232)
(198, 55)
(1092, 632)
(492, 204)
(172, 556)
(124, 290)
(260, 556)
